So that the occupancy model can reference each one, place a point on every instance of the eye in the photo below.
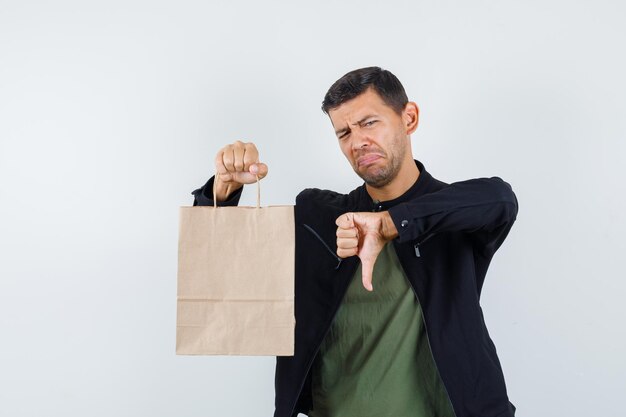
(371, 122)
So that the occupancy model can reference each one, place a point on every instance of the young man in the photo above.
(389, 323)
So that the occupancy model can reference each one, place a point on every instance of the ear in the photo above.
(410, 116)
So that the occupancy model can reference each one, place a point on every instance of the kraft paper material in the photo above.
(236, 281)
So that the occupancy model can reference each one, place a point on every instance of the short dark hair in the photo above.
(358, 81)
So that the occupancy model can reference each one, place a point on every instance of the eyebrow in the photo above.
(345, 129)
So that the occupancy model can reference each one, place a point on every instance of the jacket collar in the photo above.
(366, 203)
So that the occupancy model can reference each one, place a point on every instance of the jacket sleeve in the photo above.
(484, 208)
(203, 196)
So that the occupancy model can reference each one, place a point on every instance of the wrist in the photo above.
(223, 190)
(389, 228)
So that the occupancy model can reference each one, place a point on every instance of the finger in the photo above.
(244, 177)
(228, 158)
(238, 155)
(345, 221)
(348, 243)
(250, 156)
(351, 232)
(220, 168)
(346, 253)
(367, 271)
(225, 178)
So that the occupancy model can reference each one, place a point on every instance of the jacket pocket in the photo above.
(416, 246)
(319, 238)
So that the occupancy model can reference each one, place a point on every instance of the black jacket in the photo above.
(448, 234)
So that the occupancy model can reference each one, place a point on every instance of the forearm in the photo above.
(479, 205)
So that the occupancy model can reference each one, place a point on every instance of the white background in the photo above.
(111, 114)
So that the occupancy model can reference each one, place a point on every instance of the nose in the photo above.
(360, 140)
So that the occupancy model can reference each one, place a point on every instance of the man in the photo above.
(389, 323)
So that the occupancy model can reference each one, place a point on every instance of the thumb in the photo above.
(259, 169)
(369, 251)
(367, 271)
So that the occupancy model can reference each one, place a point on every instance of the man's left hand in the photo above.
(364, 234)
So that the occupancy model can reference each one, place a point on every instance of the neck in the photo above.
(405, 179)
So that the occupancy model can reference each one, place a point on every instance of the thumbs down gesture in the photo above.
(364, 234)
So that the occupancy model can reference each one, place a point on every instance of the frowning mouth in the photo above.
(368, 159)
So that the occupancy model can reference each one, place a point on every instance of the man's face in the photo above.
(372, 136)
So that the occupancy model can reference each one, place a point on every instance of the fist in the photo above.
(237, 164)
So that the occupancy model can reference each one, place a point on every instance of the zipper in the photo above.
(319, 345)
(416, 246)
(333, 254)
(430, 348)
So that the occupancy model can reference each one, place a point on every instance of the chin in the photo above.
(376, 179)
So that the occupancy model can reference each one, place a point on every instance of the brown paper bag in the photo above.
(236, 281)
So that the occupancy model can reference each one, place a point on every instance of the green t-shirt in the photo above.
(375, 360)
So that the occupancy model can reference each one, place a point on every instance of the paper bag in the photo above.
(236, 281)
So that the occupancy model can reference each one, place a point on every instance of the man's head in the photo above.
(354, 83)
(373, 120)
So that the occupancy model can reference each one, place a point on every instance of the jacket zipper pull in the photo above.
(417, 245)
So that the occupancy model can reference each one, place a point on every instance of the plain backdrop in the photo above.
(111, 114)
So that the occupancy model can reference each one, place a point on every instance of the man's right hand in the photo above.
(237, 164)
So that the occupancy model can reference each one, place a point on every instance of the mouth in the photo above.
(368, 159)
